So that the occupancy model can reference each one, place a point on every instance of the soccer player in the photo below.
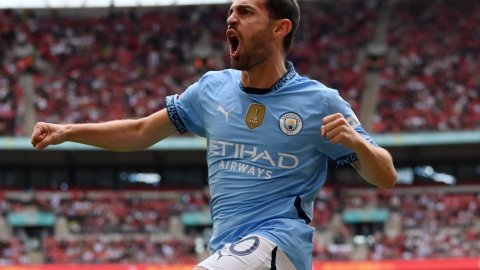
(270, 133)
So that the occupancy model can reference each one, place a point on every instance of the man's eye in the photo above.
(246, 12)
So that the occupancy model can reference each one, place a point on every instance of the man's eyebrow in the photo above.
(241, 7)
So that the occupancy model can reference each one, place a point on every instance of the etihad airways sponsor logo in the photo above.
(250, 160)
(252, 153)
(241, 167)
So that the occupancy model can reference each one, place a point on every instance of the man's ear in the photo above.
(282, 27)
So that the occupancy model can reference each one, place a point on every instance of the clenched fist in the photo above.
(45, 134)
(337, 129)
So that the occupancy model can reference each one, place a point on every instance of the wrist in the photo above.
(67, 132)
(360, 145)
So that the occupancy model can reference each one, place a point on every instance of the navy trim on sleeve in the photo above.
(346, 160)
(173, 114)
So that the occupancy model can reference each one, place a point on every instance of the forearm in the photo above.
(375, 165)
(118, 135)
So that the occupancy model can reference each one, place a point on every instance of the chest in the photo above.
(276, 121)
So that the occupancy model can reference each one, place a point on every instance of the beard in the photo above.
(255, 53)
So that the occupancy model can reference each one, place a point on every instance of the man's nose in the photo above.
(232, 21)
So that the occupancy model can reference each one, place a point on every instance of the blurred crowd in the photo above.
(110, 64)
(94, 249)
(104, 66)
(328, 46)
(106, 227)
(434, 82)
(13, 251)
(116, 214)
(136, 227)
(421, 225)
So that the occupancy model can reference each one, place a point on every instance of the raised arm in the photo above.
(119, 135)
(374, 164)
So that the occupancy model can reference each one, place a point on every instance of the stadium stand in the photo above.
(101, 227)
(13, 252)
(432, 81)
(103, 65)
(440, 223)
(135, 227)
(119, 64)
(95, 250)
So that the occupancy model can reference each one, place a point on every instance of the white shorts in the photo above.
(250, 253)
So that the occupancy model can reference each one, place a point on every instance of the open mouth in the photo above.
(233, 41)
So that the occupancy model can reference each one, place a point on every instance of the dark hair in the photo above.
(285, 9)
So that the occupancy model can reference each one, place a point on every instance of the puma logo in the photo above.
(220, 255)
(222, 110)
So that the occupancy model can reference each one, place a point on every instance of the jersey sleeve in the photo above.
(185, 110)
(343, 156)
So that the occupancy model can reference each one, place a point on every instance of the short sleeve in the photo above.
(185, 110)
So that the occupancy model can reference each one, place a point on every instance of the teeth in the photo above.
(232, 36)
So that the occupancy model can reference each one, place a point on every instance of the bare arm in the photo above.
(374, 164)
(119, 135)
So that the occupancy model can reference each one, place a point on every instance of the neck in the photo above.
(264, 75)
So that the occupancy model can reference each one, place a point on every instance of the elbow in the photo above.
(142, 139)
(389, 180)
(385, 180)
(388, 185)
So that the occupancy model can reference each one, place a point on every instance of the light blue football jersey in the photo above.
(266, 157)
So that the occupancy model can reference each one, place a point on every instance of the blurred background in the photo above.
(409, 68)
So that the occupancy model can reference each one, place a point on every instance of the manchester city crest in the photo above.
(291, 124)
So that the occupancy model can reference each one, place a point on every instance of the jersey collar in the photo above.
(279, 84)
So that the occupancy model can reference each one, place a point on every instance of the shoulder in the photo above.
(313, 88)
(216, 79)
(314, 94)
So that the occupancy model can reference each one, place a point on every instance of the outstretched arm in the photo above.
(119, 135)
(374, 164)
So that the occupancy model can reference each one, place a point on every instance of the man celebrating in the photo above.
(270, 133)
